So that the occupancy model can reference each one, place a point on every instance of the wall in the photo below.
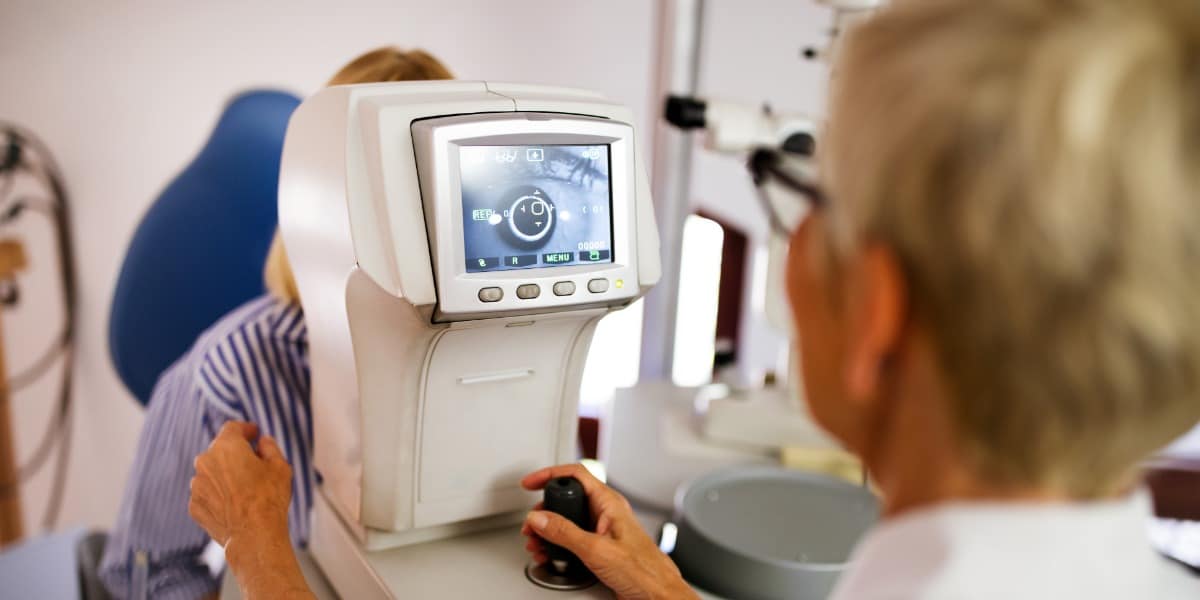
(126, 92)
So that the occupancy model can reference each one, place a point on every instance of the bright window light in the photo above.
(696, 313)
(613, 358)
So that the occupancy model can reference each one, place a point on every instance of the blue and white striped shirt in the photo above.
(252, 365)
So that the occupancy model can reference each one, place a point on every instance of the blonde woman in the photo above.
(252, 365)
(997, 297)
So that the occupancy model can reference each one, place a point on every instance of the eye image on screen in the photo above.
(535, 206)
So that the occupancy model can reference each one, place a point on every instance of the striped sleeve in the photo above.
(260, 374)
(154, 550)
(251, 366)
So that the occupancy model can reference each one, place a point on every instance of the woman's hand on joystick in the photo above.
(619, 552)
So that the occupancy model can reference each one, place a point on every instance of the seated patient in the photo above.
(252, 365)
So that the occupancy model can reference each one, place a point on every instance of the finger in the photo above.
(269, 450)
(602, 499)
(197, 484)
(558, 530)
(204, 488)
(204, 461)
(538, 479)
(238, 430)
(208, 501)
(603, 524)
(206, 519)
(201, 512)
(525, 530)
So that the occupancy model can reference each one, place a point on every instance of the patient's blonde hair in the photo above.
(1036, 166)
(382, 64)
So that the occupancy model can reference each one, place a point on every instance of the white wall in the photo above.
(126, 92)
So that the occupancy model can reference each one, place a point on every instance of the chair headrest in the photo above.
(198, 252)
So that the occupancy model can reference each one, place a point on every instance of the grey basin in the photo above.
(766, 533)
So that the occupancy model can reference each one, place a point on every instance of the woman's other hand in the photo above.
(619, 553)
(238, 490)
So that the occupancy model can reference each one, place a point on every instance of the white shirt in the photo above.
(1007, 551)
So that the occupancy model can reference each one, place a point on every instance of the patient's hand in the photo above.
(240, 497)
(619, 553)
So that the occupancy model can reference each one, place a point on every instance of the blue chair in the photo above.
(198, 252)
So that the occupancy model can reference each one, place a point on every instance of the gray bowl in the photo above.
(766, 533)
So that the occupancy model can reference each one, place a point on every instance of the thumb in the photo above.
(269, 450)
(556, 529)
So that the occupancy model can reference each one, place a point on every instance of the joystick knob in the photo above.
(564, 571)
(565, 496)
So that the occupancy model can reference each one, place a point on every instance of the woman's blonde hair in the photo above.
(382, 64)
(1036, 166)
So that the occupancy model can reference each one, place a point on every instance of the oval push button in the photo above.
(564, 288)
(491, 294)
(528, 291)
(598, 286)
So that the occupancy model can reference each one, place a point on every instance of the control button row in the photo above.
(530, 291)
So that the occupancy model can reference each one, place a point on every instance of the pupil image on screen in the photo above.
(535, 206)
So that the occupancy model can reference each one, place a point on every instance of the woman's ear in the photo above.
(877, 308)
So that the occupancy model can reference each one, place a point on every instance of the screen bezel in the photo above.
(436, 146)
(541, 251)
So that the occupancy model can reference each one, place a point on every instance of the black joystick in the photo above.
(565, 496)
(563, 570)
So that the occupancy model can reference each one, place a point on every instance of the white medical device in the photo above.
(454, 245)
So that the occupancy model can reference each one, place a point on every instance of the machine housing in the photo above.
(428, 401)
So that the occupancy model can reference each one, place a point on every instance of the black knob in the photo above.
(803, 144)
(685, 112)
(565, 496)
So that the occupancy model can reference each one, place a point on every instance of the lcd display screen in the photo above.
(526, 207)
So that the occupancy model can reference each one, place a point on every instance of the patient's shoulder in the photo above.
(244, 348)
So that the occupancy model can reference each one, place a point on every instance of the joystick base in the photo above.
(548, 577)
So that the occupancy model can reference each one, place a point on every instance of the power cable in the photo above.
(24, 152)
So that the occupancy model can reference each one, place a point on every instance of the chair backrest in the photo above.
(199, 250)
